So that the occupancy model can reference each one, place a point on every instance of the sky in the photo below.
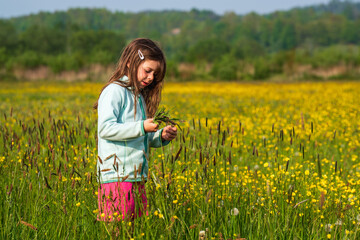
(14, 8)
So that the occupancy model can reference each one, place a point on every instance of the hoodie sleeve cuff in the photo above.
(142, 127)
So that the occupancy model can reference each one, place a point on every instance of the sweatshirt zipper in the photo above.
(145, 138)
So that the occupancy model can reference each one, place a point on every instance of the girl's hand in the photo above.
(169, 133)
(150, 126)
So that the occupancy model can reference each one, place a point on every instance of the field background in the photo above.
(252, 160)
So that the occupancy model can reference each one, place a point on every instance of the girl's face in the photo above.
(147, 71)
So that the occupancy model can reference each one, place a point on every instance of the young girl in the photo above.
(126, 130)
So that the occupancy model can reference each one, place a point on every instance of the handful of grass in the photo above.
(163, 116)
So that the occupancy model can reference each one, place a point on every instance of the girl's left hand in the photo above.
(169, 133)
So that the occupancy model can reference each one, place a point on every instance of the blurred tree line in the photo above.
(226, 47)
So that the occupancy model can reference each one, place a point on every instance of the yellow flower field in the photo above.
(252, 160)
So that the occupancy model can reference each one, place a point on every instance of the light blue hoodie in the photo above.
(122, 141)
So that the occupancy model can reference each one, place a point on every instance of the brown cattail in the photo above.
(140, 167)
(47, 183)
(100, 160)
(322, 200)
(193, 226)
(208, 195)
(112, 155)
(124, 178)
(28, 225)
(186, 202)
(178, 153)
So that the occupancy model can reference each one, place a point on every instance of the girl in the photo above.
(126, 130)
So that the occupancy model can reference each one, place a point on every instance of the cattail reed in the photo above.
(319, 165)
(293, 132)
(112, 155)
(223, 138)
(290, 191)
(287, 165)
(28, 225)
(219, 127)
(335, 166)
(124, 178)
(47, 183)
(322, 200)
(303, 152)
(178, 153)
(208, 195)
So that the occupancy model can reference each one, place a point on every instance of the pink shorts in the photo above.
(121, 200)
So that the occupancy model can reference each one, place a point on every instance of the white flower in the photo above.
(327, 227)
(202, 235)
(338, 222)
(234, 211)
(256, 167)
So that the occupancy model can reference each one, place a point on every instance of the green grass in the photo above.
(288, 170)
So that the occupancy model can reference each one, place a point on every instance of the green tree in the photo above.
(86, 41)
(8, 36)
(209, 50)
(246, 48)
(43, 40)
(262, 69)
(225, 68)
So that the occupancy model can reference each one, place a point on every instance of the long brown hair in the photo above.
(128, 65)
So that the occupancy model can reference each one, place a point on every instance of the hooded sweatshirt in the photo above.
(123, 144)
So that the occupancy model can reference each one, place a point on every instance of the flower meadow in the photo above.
(251, 161)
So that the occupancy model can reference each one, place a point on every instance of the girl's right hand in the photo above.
(150, 126)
